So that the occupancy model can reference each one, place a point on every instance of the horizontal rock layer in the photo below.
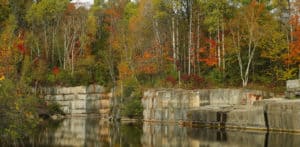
(222, 107)
(172, 104)
(91, 99)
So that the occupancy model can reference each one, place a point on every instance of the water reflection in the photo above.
(90, 132)
(95, 132)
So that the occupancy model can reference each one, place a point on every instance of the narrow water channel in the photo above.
(81, 131)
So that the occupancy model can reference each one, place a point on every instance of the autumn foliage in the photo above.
(146, 63)
(55, 70)
(294, 55)
(210, 53)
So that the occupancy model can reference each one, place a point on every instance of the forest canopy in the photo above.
(154, 43)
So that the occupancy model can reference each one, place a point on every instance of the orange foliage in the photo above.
(148, 69)
(55, 70)
(171, 59)
(112, 13)
(294, 55)
(146, 63)
(70, 9)
(124, 70)
(20, 44)
(211, 58)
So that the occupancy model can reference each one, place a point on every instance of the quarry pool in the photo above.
(84, 131)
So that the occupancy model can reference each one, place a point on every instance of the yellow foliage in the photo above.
(2, 77)
(124, 70)
(17, 107)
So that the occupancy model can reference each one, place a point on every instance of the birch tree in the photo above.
(246, 32)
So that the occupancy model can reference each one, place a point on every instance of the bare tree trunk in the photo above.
(291, 31)
(177, 53)
(72, 62)
(223, 47)
(46, 42)
(159, 52)
(198, 42)
(218, 44)
(174, 43)
(190, 37)
(236, 40)
(65, 48)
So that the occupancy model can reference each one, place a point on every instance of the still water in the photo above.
(90, 132)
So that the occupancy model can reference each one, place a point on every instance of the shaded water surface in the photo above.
(80, 131)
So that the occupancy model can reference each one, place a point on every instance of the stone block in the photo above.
(94, 96)
(165, 102)
(49, 98)
(58, 98)
(70, 90)
(145, 103)
(63, 103)
(204, 97)
(194, 100)
(148, 94)
(80, 96)
(284, 115)
(246, 117)
(174, 103)
(293, 84)
(167, 94)
(178, 114)
(160, 94)
(185, 99)
(157, 103)
(95, 89)
(91, 106)
(234, 96)
(80, 104)
(69, 97)
(158, 114)
(216, 96)
(65, 109)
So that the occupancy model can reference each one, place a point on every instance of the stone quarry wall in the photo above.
(79, 100)
(222, 107)
(292, 88)
(171, 105)
(283, 115)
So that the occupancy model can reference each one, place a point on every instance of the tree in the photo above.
(294, 55)
(247, 30)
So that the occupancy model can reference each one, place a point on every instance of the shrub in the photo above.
(132, 106)
(18, 112)
(54, 108)
(193, 81)
(171, 80)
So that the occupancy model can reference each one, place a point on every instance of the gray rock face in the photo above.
(224, 107)
(284, 115)
(293, 84)
(292, 88)
(80, 100)
(172, 105)
(229, 116)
